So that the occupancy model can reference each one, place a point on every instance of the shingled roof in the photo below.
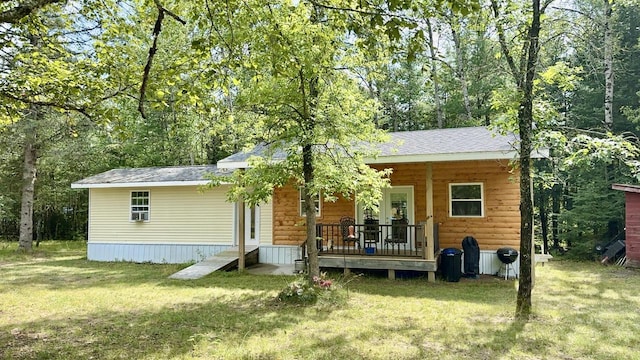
(470, 143)
(152, 176)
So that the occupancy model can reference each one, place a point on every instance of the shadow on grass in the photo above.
(77, 273)
(489, 290)
(80, 273)
(167, 332)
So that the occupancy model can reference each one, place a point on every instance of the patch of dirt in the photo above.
(24, 336)
(495, 320)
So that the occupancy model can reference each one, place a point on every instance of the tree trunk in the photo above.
(525, 121)
(462, 76)
(608, 66)
(544, 218)
(434, 78)
(555, 210)
(28, 189)
(310, 210)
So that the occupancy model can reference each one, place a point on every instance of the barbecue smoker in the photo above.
(507, 256)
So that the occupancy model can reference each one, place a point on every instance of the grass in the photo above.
(54, 304)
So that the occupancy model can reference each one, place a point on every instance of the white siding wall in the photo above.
(279, 254)
(184, 225)
(266, 224)
(176, 215)
(491, 265)
(154, 253)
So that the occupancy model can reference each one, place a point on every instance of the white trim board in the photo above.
(140, 184)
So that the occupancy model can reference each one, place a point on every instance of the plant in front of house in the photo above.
(305, 291)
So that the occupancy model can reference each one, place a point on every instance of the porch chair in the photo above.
(372, 232)
(398, 232)
(349, 233)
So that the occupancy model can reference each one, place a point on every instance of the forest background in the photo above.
(88, 86)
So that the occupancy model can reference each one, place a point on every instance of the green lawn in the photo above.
(54, 304)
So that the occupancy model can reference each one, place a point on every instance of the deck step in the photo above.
(221, 261)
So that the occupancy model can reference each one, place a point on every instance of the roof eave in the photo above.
(387, 159)
(626, 188)
(146, 184)
(487, 155)
(232, 165)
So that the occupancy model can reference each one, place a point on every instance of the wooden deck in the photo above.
(377, 262)
(373, 246)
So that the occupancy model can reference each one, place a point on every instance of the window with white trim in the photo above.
(139, 206)
(316, 201)
(466, 200)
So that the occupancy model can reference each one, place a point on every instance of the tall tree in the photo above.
(29, 171)
(49, 65)
(295, 85)
(524, 74)
(608, 64)
(434, 74)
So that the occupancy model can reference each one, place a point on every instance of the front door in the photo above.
(396, 207)
(252, 225)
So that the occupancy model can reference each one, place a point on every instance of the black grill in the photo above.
(507, 255)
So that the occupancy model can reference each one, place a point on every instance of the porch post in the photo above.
(428, 231)
(240, 232)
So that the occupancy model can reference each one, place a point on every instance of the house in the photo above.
(446, 184)
(632, 223)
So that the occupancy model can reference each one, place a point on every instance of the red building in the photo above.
(632, 222)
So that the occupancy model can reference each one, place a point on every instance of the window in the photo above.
(466, 200)
(316, 200)
(139, 206)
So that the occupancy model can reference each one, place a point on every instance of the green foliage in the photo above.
(586, 108)
(295, 88)
(594, 213)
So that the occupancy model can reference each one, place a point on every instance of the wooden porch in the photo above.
(398, 246)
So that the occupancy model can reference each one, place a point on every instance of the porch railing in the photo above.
(373, 239)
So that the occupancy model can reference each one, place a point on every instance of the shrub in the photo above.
(305, 291)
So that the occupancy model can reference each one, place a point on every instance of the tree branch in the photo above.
(24, 9)
(80, 109)
(157, 28)
(336, 8)
(377, 12)
(84, 110)
(504, 46)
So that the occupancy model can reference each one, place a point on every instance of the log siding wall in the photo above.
(499, 227)
(501, 224)
(289, 226)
